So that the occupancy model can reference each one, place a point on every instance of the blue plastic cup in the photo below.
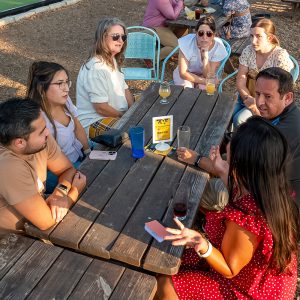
(137, 138)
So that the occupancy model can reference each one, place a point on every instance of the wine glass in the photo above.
(164, 92)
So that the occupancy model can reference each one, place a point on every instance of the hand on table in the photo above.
(79, 181)
(186, 155)
(59, 206)
(220, 166)
(186, 237)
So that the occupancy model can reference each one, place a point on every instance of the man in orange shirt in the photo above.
(27, 150)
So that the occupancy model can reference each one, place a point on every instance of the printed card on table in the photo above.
(162, 129)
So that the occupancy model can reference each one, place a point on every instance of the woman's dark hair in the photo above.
(209, 21)
(16, 117)
(40, 76)
(259, 159)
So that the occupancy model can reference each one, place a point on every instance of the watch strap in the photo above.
(63, 188)
(198, 158)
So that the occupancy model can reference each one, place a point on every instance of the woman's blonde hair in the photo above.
(269, 29)
(99, 48)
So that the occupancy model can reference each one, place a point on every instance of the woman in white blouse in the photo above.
(200, 54)
(263, 52)
(102, 94)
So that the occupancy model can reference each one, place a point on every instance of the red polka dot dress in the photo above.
(197, 280)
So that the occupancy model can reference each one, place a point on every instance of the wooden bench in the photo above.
(32, 269)
(295, 3)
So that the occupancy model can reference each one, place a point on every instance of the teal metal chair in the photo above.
(294, 73)
(142, 43)
(219, 71)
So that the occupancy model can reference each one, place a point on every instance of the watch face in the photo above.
(63, 188)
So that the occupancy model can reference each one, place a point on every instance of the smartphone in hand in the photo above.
(103, 155)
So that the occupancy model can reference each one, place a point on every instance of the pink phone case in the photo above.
(157, 230)
(103, 155)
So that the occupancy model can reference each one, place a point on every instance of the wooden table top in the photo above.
(108, 220)
(31, 269)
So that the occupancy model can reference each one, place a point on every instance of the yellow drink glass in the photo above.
(210, 85)
(164, 92)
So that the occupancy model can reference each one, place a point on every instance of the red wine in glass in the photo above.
(179, 210)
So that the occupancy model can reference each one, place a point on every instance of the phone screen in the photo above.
(103, 155)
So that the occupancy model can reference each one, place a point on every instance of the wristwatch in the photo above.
(63, 188)
(197, 161)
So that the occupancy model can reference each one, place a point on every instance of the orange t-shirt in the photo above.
(21, 177)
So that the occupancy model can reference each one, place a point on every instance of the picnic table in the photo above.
(31, 269)
(108, 219)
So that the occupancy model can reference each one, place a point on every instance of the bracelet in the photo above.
(198, 158)
(208, 252)
(87, 151)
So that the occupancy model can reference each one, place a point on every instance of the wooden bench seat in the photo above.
(295, 3)
(32, 269)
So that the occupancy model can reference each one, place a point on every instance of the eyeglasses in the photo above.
(63, 84)
(208, 33)
(116, 36)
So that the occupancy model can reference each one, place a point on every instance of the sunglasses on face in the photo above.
(115, 37)
(208, 33)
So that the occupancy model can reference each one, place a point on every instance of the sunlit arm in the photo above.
(105, 110)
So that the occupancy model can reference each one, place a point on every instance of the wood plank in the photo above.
(98, 282)
(62, 277)
(37, 233)
(135, 285)
(169, 264)
(235, 44)
(133, 241)
(91, 168)
(28, 271)
(78, 221)
(111, 220)
(246, 42)
(12, 247)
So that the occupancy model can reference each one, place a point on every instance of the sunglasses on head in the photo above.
(115, 37)
(208, 33)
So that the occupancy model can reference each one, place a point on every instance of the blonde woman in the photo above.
(264, 52)
(102, 94)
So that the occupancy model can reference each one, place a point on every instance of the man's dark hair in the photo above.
(284, 78)
(16, 117)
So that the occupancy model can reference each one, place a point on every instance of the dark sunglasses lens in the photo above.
(117, 37)
(209, 34)
(201, 33)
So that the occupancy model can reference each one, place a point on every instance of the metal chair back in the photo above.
(142, 43)
(294, 73)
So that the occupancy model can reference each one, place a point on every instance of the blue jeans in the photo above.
(52, 179)
(240, 113)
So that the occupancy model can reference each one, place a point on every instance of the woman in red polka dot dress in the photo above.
(249, 251)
